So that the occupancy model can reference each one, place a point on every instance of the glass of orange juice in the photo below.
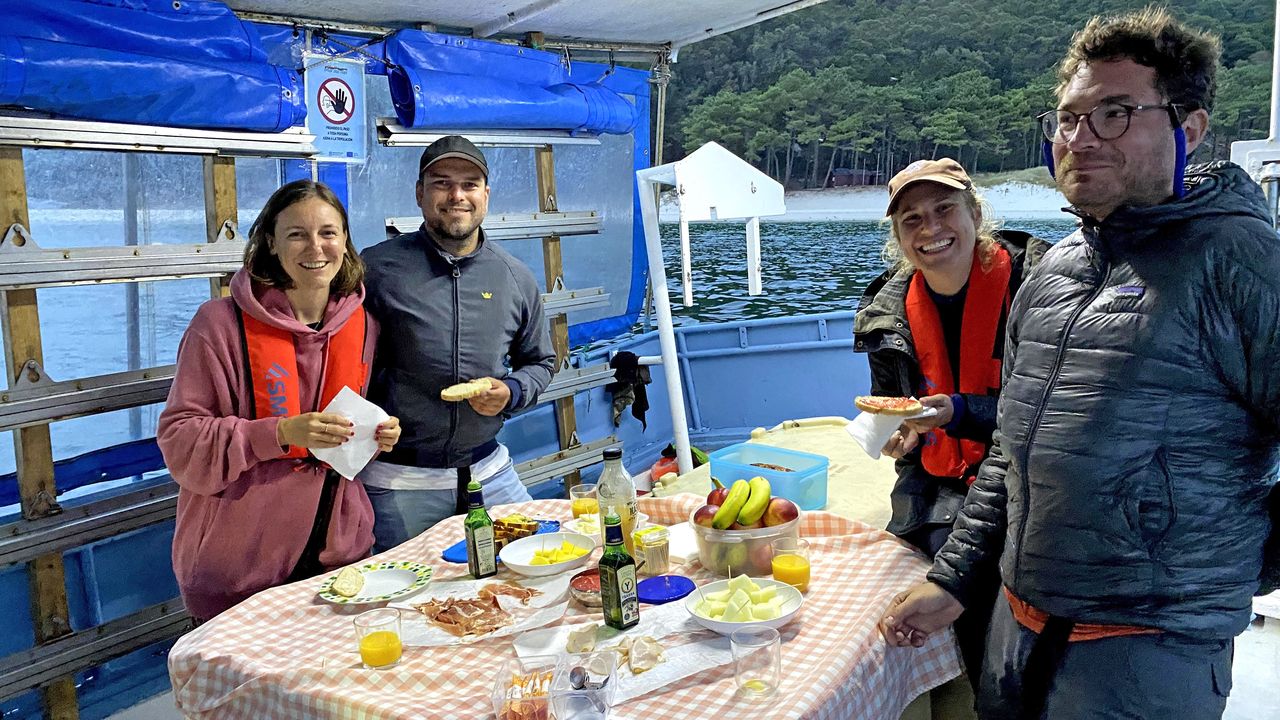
(378, 638)
(791, 562)
(583, 497)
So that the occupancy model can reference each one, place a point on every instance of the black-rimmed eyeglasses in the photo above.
(1107, 121)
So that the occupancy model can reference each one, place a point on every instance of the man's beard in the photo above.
(1120, 185)
(455, 231)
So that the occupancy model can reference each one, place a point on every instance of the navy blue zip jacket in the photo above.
(446, 320)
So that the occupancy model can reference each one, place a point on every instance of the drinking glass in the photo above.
(757, 660)
(378, 638)
(583, 500)
(791, 562)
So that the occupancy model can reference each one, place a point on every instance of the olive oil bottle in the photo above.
(617, 577)
(481, 556)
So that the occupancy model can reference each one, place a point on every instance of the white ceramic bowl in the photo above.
(516, 555)
(792, 600)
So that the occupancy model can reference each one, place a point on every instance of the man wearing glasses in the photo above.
(1126, 496)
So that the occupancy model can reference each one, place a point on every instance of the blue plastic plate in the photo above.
(457, 552)
(663, 589)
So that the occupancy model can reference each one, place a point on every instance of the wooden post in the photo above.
(33, 449)
(219, 207)
(566, 413)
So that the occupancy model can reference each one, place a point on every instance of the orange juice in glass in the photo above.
(378, 638)
(791, 562)
(583, 500)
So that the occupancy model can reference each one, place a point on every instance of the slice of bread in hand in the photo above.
(462, 391)
(348, 583)
(880, 405)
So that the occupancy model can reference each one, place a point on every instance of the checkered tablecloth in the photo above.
(284, 653)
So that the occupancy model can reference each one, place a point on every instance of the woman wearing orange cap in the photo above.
(933, 328)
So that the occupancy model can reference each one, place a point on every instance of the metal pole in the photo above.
(686, 264)
(661, 78)
(666, 329)
(132, 311)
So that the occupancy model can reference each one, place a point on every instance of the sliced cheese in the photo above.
(582, 640)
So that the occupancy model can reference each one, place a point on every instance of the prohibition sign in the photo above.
(335, 100)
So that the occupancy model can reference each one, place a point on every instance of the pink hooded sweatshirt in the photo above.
(244, 515)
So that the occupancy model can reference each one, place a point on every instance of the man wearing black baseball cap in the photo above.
(452, 305)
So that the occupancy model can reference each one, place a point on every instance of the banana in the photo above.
(728, 512)
(753, 509)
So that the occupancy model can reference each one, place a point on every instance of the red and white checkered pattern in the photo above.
(284, 653)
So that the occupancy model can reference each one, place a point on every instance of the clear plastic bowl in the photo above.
(588, 703)
(741, 551)
(512, 703)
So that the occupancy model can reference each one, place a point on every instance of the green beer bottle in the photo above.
(617, 577)
(481, 556)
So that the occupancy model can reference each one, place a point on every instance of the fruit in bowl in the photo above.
(734, 537)
(745, 505)
(779, 511)
(705, 514)
(727, 605)
(548, 553)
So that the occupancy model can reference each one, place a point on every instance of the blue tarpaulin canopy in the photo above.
(443, 81)
(189, 64)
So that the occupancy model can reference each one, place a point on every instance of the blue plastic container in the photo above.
(805, 485)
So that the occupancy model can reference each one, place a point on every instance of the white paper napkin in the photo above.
(688, 648)
(682, 543)
(542, 609)
(351, 456)
(872, 431)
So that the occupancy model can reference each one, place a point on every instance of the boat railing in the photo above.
(32, 400)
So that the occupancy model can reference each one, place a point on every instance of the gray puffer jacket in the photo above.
(1139, 424)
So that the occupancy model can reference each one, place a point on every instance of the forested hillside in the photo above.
(870, 85)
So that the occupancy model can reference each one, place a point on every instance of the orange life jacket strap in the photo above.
(271, 359)
(985, 301)
(1035, 619)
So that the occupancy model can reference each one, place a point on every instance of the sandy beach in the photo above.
(1012, 201)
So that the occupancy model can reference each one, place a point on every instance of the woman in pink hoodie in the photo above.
(255, 509)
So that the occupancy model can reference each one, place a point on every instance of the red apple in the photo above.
(761, 558)
(752, 526)
(716, 497)
(705, 514)
(779, 511)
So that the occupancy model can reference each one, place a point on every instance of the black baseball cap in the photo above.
(452, 146)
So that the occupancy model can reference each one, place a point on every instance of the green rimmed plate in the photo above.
(382, 581)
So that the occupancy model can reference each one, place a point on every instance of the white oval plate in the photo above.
(382, 581)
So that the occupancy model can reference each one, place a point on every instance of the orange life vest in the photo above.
(273, 367)
(1034, 619)
(985, 302)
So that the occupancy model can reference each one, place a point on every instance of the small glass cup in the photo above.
(378, 638)
(583, 500)
(757, 660)
(791, 562)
